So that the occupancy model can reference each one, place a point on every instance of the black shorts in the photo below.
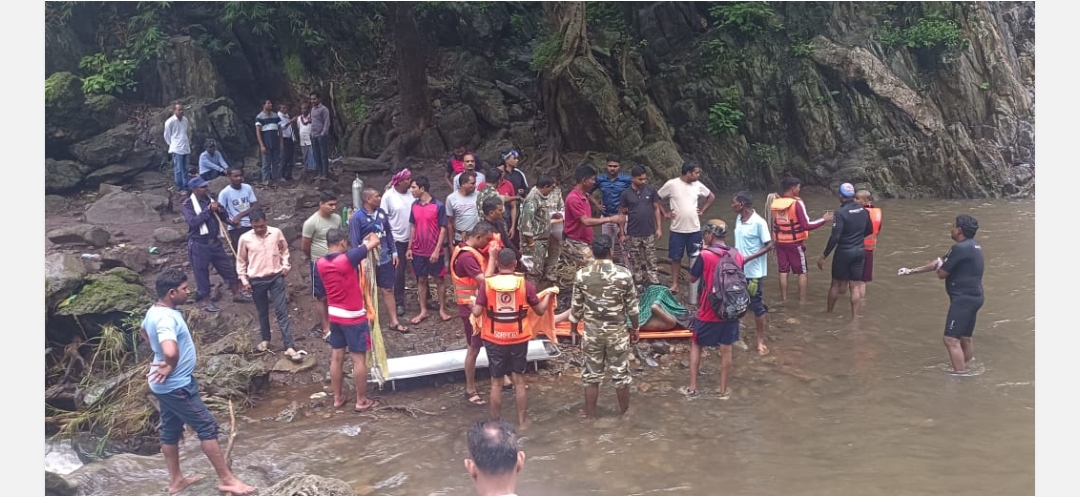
(317, 289)
(506, 359)
(960, 321)
(713, 333)
(847, 265)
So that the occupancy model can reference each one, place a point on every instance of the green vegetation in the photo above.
(749, 18)
(802, 49)
(358, 109)
(725, 116)
(106, 76)
(607, 15)
(546, 52)
(933, 32)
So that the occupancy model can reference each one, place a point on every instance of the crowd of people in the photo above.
(509, 249)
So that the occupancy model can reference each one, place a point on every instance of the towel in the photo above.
(543, 324)
(203, 230)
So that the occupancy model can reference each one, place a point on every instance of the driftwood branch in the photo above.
(412, 411)
(232, 435)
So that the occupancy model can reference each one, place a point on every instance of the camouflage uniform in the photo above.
(535, 222)
(603, 297)
(485, 193)
(642, 252)
(573, 255)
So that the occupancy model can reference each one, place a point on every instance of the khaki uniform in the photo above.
(535, 222)
(603, 297)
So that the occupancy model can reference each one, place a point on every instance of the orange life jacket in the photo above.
(875, 218)
(507, 308)
(786, 223)
(465, 286)
(496, 240)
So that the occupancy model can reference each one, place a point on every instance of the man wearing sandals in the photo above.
(604, 295)
(372, 219)
(470, 263)
(348, 316)
(709, 329)
(262, 262)
(505, 300)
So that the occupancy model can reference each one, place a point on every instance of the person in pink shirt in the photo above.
(262, 262)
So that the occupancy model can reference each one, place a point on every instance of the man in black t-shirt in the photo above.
(641, 206)
(962, 269)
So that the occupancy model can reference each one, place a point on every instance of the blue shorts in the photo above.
(422, 266)
(317, 289)
(713, 333)
(184, 406)
(356, 336)
(680, 243)
(384, 275)
(757, 303)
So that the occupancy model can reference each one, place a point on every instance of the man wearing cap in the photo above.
(397, 203)
(211, 163)
(204, 247)
(851, 224)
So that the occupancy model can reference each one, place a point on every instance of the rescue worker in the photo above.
(866, 199)
(468, 266)
(791, 227)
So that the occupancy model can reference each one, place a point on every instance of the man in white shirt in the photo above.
(753, 240)
(176, 137)
(288, 141)
(494, 459)
(684, 194)
(397, 203)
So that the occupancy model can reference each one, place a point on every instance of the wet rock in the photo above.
(486, 99)
(82, 234)
(169, 235)
(110, 147)
(105, 189)
(661, 347)
(59, 485)
(64, 275)
(236, 342)
(123, 208)
(55, 204)
(63, 176)
(129, 256)
(122, 171)
(118, 290)
(228, 373)
(286, 365)
(287, 415)
(305, 484)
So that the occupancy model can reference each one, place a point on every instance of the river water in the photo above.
(837, 408)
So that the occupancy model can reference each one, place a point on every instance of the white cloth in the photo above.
(203, 230)
(398, 206)
(176, 135)
(305, 130)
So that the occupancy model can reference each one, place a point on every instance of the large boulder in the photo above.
(140, 160)
(109, 147)
(58, 485)
(228, 375)
(125, 208)
(132, 257)
(66, 120)
(118, 290)
(169, 235)
(486, 99)
(86, 234)
(62, 176)
(64, 275)
(457, 124)
(210, 118)
(185, 70)
(661, 158)
(304, 484)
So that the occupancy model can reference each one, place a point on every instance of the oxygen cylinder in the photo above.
(357, 187)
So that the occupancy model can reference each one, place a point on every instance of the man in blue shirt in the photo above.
(753, 240)
(175, 388)
(211, 163)
(611, 187)
(372, 219)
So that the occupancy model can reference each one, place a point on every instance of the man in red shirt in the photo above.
(709, 329)
(470, 263)
(348, 316)
(578, 227)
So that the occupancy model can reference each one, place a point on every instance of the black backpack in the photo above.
(728, 297)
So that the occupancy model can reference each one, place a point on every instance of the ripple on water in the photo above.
(392, 482)
(350, 430)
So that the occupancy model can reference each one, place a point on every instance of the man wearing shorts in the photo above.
(866, 199)
(578, 229)
(427, 235)
(791, 227)
(175, 388)
(753, 241)
(604, 297)
(962, 270)
(851, 224)
(313, 244)
(372, 219)
(470, 263)
(710, 330)
(684, 195)
(506, 299)
(348, 316)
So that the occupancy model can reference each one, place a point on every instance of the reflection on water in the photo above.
(837, 408)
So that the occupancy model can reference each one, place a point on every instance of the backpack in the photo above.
(728, 297)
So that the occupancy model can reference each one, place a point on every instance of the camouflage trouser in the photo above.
(612, 347)
(642, 252)
(545, 256)
(574, 255)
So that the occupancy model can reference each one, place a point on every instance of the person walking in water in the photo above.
(866, 199)
(962, 269)
(753, 241)
(175, 388)
(851, 225)
(710, 328)
(791, 227)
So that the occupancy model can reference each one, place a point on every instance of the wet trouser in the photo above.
(266, 291)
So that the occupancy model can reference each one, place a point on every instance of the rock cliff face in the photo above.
(909, 99)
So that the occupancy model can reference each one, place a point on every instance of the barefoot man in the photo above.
(753, 241)
(175, 388)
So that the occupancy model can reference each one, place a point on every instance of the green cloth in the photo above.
(658, 294)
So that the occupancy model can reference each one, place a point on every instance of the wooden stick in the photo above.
(232, 436)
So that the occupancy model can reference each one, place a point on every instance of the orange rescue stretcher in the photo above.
(563, 330)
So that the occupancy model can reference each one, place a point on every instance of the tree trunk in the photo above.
(566, 21)
(412, 81)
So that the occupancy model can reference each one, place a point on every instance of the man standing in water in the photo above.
(851, 224)
(753, 241)
(469, 265)
(866, 199)
(791, 228)
(175, 388)
(505, 300)
(603, 297)
(710, 329)
(494, 459)
(348, 316)
(684, 194)
(962, 269)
